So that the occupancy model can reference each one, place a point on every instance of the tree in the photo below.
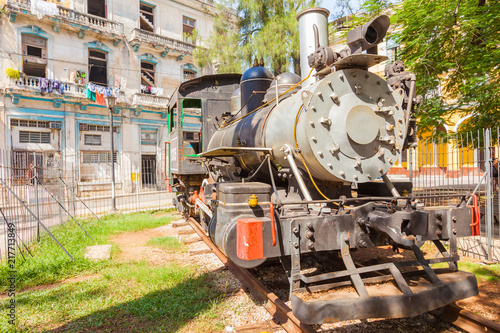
(349, 19)
(222, 48)
(265, 29)
(454, 49)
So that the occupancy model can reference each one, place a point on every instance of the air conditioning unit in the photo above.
(55, 124)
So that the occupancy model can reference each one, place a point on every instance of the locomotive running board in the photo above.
(397, 295)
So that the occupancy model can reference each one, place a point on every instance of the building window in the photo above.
(147, 74)
(146, 14)
(97, 128)
(92, 139)
(393, 53)
(188, 75)
(393, 50)
(34, 137)
(34, 55)
(98, 72)
(188, 26)
(97, 7)
(35, 123)
(94, 157)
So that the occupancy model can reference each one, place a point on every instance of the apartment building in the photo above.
(58, 55)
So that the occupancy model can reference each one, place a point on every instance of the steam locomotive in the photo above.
(268, 163)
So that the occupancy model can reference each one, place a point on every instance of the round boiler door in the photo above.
(362, 124)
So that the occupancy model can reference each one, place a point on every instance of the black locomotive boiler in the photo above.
(269, 169)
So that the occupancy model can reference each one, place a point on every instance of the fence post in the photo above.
(73, 188)
(410, 164)
(37, 207)
(489, 210)
(60, 196)
(137, 189)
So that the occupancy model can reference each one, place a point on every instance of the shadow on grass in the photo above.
(165, 310)
(486, 273)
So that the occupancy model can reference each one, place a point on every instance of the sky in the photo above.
(335, 11)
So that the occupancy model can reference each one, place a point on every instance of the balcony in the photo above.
(68, 16)
(30, 83)
(150, 100)
(168, 44)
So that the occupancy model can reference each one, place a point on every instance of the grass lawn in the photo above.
(57, 294)
(484, 273)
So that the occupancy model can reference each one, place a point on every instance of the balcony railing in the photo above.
(150, 100)
(33, 84)
(72, 17)
(142, 36)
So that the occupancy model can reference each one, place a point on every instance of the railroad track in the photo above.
(467, 320)
(282, 314)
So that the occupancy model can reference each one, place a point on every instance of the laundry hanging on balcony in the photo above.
(40, 8)
(97, 93)
(48, 85)
(151, 90)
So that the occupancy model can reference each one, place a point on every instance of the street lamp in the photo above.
(110, 103)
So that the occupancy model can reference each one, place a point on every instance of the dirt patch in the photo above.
(487, 303)
(163, 214)
(133, 247)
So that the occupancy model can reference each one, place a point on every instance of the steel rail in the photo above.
(281, 313)
(468, 320)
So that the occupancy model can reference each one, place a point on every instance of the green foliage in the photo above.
(264, 29)
(222, 46)
(453, 46)
(169, 243)
(12, 73)
(121, 298)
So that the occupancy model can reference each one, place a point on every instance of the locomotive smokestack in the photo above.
(313, 33)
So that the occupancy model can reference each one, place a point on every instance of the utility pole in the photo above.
(110, 102)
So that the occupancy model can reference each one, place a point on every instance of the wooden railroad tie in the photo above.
(197, 252)
(186, 232)
(266, 326)
(180, 223)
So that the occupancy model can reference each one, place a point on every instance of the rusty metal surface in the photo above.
(281, 313)
(467, 320)
(426, 297)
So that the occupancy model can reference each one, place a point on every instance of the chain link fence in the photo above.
(462, 164)
(36, 193)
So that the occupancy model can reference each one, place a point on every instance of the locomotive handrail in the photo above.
(266, 104)
(411, 198)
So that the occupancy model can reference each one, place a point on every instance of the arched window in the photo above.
(188, 74)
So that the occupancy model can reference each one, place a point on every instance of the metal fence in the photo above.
(33, 185)
(36, 193)
(462, 164)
